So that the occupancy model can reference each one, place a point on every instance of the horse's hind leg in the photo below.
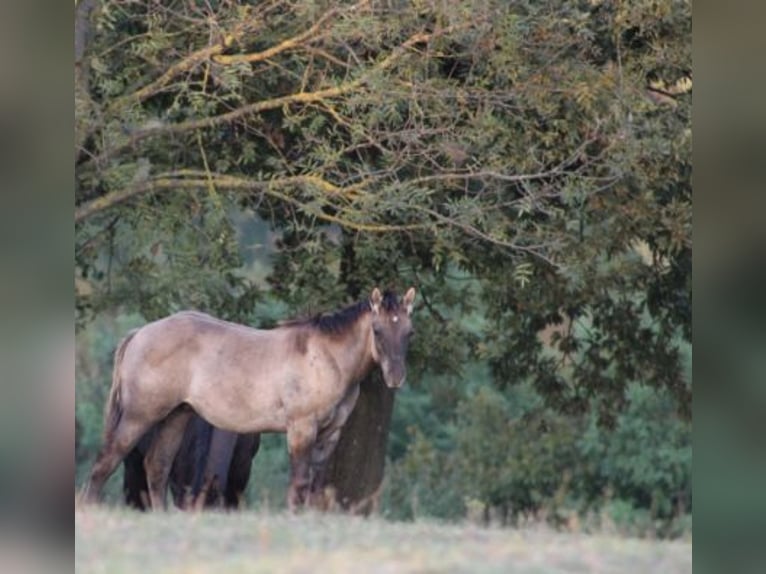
(134, 487)
(159, 459)
(114, 450)
(240, 468)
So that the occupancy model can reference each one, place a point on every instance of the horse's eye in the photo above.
(376, 329)
(411, 334)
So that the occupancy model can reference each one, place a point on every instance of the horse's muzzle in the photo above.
(399, 384)
(394, 378)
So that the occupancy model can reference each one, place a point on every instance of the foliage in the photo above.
(514, 464)
(522, 144)
(647, 459)
(512, 458)
(423, 483)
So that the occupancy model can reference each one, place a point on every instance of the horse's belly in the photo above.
(237, 407)
(236, 422)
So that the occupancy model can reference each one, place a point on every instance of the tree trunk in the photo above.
(355, 470)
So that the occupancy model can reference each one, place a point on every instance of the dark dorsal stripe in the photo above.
(337, 322)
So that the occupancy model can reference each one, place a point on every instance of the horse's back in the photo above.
(187, 336)
(230, 374)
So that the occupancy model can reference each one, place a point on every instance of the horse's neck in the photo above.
(352, 351)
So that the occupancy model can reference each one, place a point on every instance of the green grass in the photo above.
(113, 540)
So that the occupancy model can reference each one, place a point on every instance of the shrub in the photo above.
(424, 482)
(512, 457)
(514, 464)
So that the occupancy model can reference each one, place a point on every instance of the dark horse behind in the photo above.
(211, 469)
(301, 378)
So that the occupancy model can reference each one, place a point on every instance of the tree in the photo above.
(540, 149)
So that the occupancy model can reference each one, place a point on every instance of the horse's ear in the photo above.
(375, 300)
(408, 300)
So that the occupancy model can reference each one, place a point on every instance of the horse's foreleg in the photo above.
(325, 446)
(320, 456)
(300, 440)
(159, 459)
(127, 433)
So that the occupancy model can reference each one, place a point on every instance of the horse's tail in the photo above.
(113, 408)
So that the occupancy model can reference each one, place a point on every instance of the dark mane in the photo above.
(337, 322)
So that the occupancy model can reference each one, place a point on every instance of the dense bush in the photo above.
(514, 458)
(425, 482)
(646, 461)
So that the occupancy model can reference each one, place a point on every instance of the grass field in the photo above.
(113, 540)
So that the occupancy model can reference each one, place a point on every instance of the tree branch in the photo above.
(185, 65)
(282, 46)
(264, 105)
(194, 179)
(533, 250)
(214, 52)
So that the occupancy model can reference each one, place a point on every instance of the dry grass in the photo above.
(113, 540)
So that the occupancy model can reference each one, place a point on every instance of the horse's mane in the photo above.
(338, 321)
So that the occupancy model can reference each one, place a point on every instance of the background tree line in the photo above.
(527, 165)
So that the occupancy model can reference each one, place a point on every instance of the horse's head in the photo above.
(391, 331)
